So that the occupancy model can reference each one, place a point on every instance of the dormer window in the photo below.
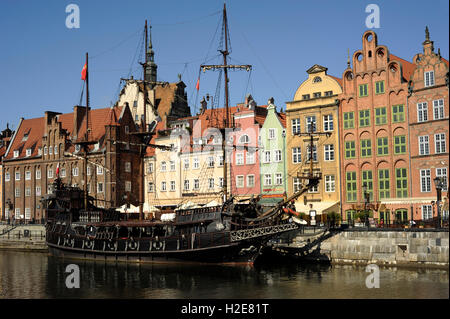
(77, 148)
(25, 137)
(40, 151)
(429, 78)
(16, 154)
(28, 152)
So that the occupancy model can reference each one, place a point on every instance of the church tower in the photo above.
(151, 65)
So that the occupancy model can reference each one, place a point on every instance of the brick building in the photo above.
(5, 138)
(41, 144)
(373, 128)
(428, 117)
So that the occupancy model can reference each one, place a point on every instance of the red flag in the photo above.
(198, 84)
(84, 72)
(57, 171)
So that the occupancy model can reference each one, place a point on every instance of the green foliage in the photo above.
(333, 215)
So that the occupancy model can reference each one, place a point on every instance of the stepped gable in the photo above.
(28, 136)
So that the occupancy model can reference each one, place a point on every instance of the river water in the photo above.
(36, 275)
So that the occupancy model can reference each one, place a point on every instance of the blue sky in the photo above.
(41, 59)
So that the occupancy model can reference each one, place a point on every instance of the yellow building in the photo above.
(315, 107)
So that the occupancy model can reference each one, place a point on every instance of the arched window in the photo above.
(244, 139)
(317, 79)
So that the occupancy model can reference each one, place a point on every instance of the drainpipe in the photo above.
(339, 153)
(410, 92)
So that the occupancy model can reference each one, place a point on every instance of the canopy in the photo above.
(319, 207)
(212, 203)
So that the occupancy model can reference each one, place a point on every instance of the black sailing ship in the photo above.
(232, 232)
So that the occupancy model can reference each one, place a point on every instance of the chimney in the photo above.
(78, 115)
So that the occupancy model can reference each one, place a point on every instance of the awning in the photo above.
(270, 201)
(319, 207)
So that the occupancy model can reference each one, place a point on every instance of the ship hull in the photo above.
(238, 254)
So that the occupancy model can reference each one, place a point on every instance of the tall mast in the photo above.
(225, 67)
(86, 135)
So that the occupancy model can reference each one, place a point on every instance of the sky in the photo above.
(41, 59)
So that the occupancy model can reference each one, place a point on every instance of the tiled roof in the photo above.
(282, 117)
(407, 67)
(34, 129)
(339, 80)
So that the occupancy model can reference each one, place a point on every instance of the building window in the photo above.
(425, 180)
(150, 168)
(50, 150)
(363, 90)
(267, 157)
(382, 146)
(16, 154)
(366, 148)
(379, 87)
(272, 133)
(306, 96)
(40, 151)
(100, 188)
(220, 182)
(163, 166)
(211, 161)
(383, 183)
(7, 177)
(438, 109)
(295, 126)
(196, 163)
(28, 191)
(317, 79)
(439, 143)
(172, 166)
(267, 179)
(401, 182)
(351, 186)
(296, 155)
(427, 212)
(100, 170)
(329, 152)
(328, 123)
(429, 78)
(186, 163)
(211, 183)
(278, 157)
(314, 153)
(63, 172)
(330, 183)
(240, 181)
(313, 189)
(279, 179)
(74, 171)
(380, 116)
(422, 112)
(424, 146)
(151, 187)
(297, 184)
(250, 180)
(328, 93)
(399, 144)
(239, 158)
(56, 150)
(17, 213)
(398, 113)
(128, 186)
(38, 174)
(50, 173)
(350, 214)
(442, 172)
(163, 186)
(186, 185)
(220, 157)
(310, 124)
(28, 175)
(244, 139)
(364, 118)
(17, 192)
(196, 184)
(349, 120)
(28, 152)
(250, 158)
(367, 178)
(317, 94)
(46, 149)
(128, 167)
(17, 176)
(38, 191)
(350, 149)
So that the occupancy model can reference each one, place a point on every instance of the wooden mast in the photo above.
(143, 130)
(86, 135)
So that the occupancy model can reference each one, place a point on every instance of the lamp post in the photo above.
(366, 203)
(439, 185)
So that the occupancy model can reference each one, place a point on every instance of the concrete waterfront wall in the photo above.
(409, 248)
(15, 239)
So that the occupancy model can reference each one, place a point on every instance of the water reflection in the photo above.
(25, 275)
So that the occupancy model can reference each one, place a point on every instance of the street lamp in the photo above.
(438, 182)
(366, 203)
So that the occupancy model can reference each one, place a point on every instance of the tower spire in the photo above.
(348, 58)
(151, 72)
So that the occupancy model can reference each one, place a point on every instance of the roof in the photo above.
(282, 117)
(30, 132)
(407, 67)
(339, 80)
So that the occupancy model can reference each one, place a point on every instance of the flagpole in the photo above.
(87, 135)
